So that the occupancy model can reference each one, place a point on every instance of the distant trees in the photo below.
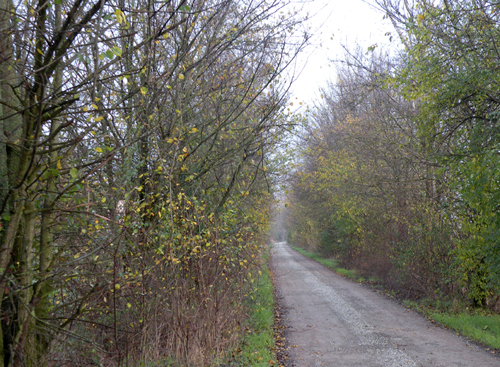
(402, 156)
(365, 168)
(133, 166)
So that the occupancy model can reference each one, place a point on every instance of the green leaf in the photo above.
(109, 54)
(184, 8)
(117, 51)
(58, 2)
(73, 172)
(51, 172)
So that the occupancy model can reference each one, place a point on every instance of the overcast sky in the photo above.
(335, 23)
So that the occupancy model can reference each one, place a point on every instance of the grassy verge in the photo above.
(477, 325)
(329, 263)
(258, 343)
(481, 328)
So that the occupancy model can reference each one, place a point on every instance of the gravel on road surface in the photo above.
(332, 321)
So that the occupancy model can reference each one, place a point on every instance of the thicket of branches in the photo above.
(402, 157)
(134, 174)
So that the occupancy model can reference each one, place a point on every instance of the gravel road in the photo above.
(333, 321)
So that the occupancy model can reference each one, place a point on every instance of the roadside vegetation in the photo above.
(482, 328)
(329, 263)
(137, 169)
(477, 324)
(398, 174)
(257, 346)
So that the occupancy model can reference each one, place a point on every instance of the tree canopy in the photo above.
(135, 173)
(402, 155)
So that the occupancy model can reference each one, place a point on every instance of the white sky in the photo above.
(335, 23)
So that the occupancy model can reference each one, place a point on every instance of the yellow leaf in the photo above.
(59, 165)
(95, 106)
(181, 76)
(119, 16)
(98, 150)
(117, 286)
(97, 119)
(170, 141)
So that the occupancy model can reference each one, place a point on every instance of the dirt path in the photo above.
(336, 322)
